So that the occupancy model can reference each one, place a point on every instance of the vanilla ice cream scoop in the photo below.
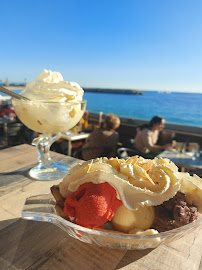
(125, 220)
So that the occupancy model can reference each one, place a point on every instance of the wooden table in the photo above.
(183, 160)
(73, 136)
(38, 245)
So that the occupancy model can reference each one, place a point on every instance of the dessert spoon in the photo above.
(12, 94)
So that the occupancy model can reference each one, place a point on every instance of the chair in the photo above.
(124, 152)
(14, 134)
(2, 136)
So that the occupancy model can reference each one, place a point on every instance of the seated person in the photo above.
(103, 141)
(84, 120)
(82, 125)
(146, 138)
(7, 110)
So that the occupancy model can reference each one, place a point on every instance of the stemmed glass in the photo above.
(50, 119)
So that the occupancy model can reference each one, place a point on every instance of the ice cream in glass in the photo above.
(55, 106)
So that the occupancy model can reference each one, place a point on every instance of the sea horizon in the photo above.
(20, 86)
(176, 107)
(181, 108)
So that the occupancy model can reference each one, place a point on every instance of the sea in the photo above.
(175, 107)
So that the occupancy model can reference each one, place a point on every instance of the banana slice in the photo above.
(192, 187)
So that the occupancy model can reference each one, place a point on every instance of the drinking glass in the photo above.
(50, 119)
(194, 148)
(180, 147)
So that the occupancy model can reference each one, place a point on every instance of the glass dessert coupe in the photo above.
(42, 208)
(50, 119)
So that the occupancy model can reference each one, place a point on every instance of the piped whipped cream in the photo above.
(137, 181)
(50, 85)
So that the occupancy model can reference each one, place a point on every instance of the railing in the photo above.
(128, 128)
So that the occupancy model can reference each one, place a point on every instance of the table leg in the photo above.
(5, 133)
(69, 148)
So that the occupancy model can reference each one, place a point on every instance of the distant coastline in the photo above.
(113, 91)
(14, 87)
(93, 90)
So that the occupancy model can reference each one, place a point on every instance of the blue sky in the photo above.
(137, 44)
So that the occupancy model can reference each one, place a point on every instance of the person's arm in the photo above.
(110, 144)
(147, 139)
(115, 143)
(156, 148)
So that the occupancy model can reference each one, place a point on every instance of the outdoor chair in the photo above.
(13, 134)
(2, 137)
(124, 152)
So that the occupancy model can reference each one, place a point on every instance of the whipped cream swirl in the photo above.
(50, 86)
(137, 181)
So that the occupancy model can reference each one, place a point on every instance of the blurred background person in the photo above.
(84, 120)
(7, 111)
(147, 137)
(82, 125)
(102, 142)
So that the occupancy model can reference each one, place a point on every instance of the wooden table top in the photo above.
(38, 245)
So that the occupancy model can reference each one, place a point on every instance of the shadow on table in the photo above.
(39, 245)
(23, 172)
(9, 183)
(7, 222)
(133, 256)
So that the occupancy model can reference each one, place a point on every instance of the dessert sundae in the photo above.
(55, 104)
(135, 196)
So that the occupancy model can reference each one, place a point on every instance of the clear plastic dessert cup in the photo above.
(42, 208)
(50, 119)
